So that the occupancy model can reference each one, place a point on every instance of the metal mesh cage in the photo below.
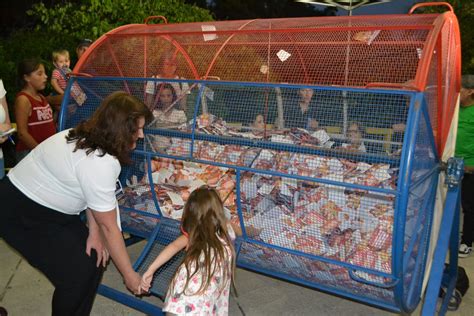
(322, 136)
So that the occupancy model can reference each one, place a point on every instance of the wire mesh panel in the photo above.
(420, 202)
(287, 172)
(339, 51)
(166, 232)
(321, 274)
(342, 51)
(302, 125)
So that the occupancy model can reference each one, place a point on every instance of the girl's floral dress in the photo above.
(214, 300)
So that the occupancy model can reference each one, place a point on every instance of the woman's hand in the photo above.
(3, 128)
(94, 241)
(132, 282)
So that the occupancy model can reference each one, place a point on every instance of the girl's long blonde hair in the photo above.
(206, 225)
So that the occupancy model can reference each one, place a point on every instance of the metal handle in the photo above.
(429, 4)
(377, 284)
(154, 17)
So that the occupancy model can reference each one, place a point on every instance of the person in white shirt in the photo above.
(4, 124)
(44, 194)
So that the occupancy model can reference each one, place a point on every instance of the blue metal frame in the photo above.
(450, 227)
(130, 301)
(413, 297)
(372, 302)
(417, 112)
(408, 151)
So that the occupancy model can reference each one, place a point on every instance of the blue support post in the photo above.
(450, 227)
(129, 300)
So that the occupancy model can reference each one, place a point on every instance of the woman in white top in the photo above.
(44, 194)
(4, 124)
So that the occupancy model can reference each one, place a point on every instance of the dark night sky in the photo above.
(393, 7)
(12, 13)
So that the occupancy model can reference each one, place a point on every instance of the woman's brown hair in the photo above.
(112, 127)
(205, 223)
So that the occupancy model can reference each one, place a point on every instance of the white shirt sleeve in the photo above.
(97, 177)
(3, 92)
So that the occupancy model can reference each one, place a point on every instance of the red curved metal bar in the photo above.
(97, 43)
(213, 61)
(117, 64)
(154, 17)
(456, 76)
(430, 4)
(424, 68)
(184, 53)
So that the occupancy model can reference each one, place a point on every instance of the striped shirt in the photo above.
(60, 76)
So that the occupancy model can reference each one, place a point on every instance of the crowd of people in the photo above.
(58, 176)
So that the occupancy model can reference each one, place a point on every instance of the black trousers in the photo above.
(55, 244)
(467, 203)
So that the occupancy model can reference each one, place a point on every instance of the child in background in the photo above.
(168, 66)
(82, 46)
(259, 122)
(33, 112)
(61, 71)
(354, 134)
(201, 285)
(60, 77)
(165, 112)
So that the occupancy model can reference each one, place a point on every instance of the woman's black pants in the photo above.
(55, 244)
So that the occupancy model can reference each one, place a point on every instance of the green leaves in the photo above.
(64, 24)
(92, 18)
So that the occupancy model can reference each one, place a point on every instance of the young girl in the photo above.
(33, 113)
(165, 110)
(354, 135)
(201, 284)
(259, 122)
(168, 65)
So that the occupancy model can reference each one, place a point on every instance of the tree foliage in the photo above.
(62, 25)
(92, 18)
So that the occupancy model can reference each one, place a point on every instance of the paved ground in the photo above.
(24, 291)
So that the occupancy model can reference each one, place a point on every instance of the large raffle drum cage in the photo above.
(359, 222)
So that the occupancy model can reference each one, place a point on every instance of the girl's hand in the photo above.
(145, 283)
(94, 241)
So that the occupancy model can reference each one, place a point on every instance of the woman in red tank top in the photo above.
(34, 115)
